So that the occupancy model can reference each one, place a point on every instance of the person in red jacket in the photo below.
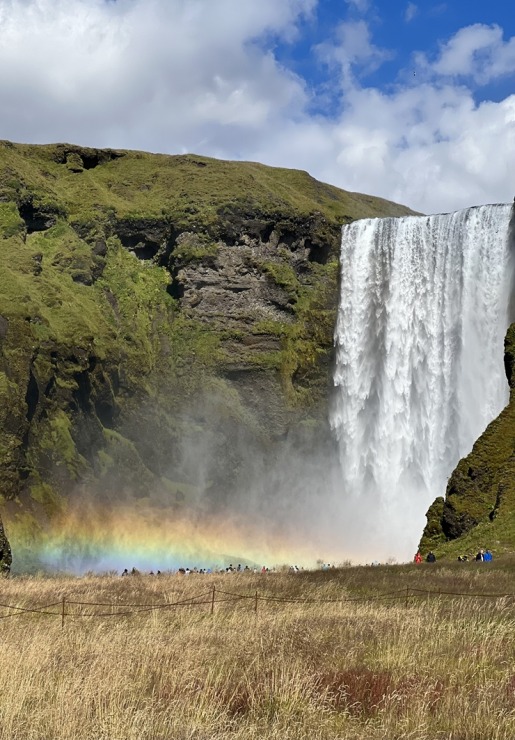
(418, 558)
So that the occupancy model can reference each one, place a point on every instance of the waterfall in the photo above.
(419, 362)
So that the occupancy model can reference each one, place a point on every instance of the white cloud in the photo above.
(143, 73)
(352, 50)
(360, 5)
(201, 75)
(431, 148)
(478, 51)
(410, 12)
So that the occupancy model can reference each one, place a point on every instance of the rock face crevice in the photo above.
(36, 219)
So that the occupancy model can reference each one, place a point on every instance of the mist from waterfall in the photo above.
(419, 367)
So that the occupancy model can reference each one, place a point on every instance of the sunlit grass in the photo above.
(324, 666)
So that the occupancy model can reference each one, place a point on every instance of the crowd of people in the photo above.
(229, 569)
(481, 556)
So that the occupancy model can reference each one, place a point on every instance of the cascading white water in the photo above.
(419, 368)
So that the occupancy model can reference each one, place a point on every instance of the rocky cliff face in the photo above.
(151, 305)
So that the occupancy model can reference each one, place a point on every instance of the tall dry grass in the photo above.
(425, 668)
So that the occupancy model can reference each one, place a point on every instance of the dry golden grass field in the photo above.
(322, 656)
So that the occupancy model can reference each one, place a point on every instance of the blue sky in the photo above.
(402, 30)
(413, 101)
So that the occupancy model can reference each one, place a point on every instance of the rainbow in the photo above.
(103, 538)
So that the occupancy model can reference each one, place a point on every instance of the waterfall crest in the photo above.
(419, 361)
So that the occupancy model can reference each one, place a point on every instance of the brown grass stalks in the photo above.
(434, 669)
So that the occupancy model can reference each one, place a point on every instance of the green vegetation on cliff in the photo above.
(189, 190)
(479, 507)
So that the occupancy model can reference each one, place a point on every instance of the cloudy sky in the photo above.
(413, 101)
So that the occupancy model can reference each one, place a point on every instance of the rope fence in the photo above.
(73, 609)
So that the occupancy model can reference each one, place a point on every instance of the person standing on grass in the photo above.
(418, 558)
(431, 557)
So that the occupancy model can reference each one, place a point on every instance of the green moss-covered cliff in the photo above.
(479, 506)
(148, 301)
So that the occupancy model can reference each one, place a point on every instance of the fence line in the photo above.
(155, 606)
(209, 598)
(463, 594)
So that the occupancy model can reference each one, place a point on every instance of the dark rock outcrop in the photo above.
(5, 553)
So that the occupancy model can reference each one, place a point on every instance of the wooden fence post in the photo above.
(63, 612)
(407, 596)
(213, 601)
(256, 603)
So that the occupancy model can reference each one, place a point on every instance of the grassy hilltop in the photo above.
(147, 301)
